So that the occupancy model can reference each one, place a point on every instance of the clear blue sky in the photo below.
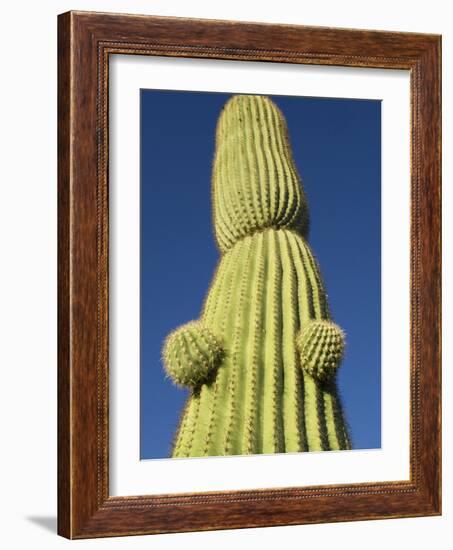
(337, 149)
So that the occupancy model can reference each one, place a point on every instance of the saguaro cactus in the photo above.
(261, 360)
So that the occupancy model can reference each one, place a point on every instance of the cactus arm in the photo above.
(321, 348)
(191, 354)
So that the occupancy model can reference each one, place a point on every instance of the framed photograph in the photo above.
(249, 275)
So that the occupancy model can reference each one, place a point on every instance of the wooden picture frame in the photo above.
(85, 42)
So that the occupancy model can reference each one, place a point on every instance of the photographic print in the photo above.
(248, 274)
(260, 274)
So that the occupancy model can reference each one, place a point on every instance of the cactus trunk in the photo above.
(266, 394)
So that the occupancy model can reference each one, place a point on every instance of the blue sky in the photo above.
(337, 148)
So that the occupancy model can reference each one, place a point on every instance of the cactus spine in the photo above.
(263, 379)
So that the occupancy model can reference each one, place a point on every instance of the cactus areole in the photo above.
(261, 360)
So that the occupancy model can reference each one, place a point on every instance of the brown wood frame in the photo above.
(85, 42)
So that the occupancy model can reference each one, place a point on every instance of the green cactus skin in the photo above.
(273, 387)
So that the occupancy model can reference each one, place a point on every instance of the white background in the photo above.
(28, 270)
(128, 474)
